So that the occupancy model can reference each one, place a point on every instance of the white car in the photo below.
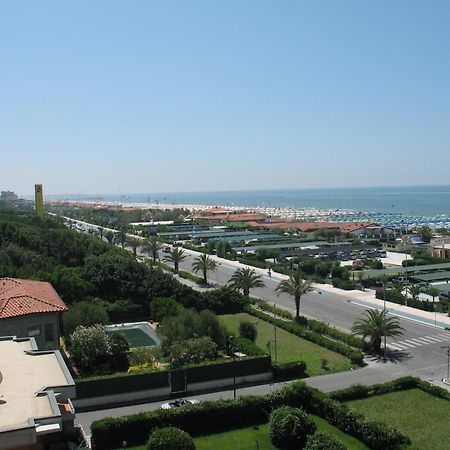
(179, 403)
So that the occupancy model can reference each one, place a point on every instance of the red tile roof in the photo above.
(22, 297)
(349, 227)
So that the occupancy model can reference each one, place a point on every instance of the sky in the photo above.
(202, 95)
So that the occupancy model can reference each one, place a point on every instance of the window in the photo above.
(49, 335)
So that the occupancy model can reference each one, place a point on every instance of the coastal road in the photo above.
(419, 351)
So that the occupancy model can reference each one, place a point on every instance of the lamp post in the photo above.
(448, 361)
(384, 310)
(232, 348)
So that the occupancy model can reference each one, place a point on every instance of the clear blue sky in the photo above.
(145, 96)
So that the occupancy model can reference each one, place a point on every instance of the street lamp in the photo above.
(448, 362)
(232, 350)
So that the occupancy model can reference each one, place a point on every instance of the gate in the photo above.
(178, 381)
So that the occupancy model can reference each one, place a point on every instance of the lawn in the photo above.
(257, 437)
(422, 417)
(291, 348)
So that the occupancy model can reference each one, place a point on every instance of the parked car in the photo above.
(166, 249)
(179, 403)
(424, 286)
(444, 296)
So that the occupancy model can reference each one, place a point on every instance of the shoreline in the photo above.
(310, 214)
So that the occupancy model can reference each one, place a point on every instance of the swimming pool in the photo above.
(138, 334)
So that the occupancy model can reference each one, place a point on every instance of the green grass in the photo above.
(136, 337)
(422, 417)
(246, 438)
(291, 348)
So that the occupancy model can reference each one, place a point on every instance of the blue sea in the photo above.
(407, 200)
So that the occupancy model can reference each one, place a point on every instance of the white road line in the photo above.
(426, 340)
(395, 346)
(446, 336)
(435, 338)
(407, 344)
(421, 341)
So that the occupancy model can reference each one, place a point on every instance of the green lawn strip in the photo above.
(258, 436)
(419, 415)
(291, 348)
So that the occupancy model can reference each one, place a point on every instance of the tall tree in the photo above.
(121, 236)
(204, 264)
(296, 287)
(175, 256)
(134, 242)
(375, 324)
(109, 236)
(245, 279)
(153, 246)
(425, 233)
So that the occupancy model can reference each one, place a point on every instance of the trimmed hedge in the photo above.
(289, 371)
(170, 438)
(316, 326)
(248, 347)
(221, 415)
(355, 356)
(358, 391)
(324, 441)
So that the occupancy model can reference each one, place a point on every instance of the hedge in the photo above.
(355, 356)
(221, 415)
(400, 384)
(316, 326)
(289, 371)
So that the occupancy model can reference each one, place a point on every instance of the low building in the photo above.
(440, 247)
(35, 407)
(30, 309)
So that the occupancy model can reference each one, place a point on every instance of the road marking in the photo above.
(408, 344)
(421, 341)
(446, 336)
(435, 338)
(396, 346)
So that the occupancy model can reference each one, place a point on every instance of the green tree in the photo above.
(161, 307)
(89, 348)
(433, 292)
(118, 351)
(376, 324)
(134, 242)
(109, 236)
(414, 290)
(192, 351)
(204, 264)
(425, 233)
(245, 279)
(153, 246)
(175, 256)
(85, 313)
(121, 236)
(296, 287)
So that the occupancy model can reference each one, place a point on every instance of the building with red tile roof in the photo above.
(30, 308)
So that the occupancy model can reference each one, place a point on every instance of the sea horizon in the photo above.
(424, 200)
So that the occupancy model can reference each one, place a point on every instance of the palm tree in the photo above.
(245, 279)
(153, 245)
(204, 263)
(121, 236)
(295, 286)
(375, 324)
(133, 242)
(175, 256)
(414, 290)
(109, 236)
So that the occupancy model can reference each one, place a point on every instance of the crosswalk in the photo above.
(408, 344)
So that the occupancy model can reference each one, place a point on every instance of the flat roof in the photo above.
(411, 269)
(434, 276)
(25, 373)
(278, 246)
(442, 287)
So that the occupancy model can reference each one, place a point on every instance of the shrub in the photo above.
(289, 371)
(248, 347)
(161, 307)
(223, 300)
(170, 438)
(118, 352)
(323, 441)
(274, 310)
(192, 351)
(290, 427)
(247, 329)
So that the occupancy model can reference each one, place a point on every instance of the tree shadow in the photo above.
(392, 356)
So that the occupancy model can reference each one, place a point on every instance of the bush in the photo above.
(223, 300)
(170, 438)
(192, 351)
(118, 352)
(347, 285)
(161, 307)
(323, 441)
(289, 371)
(274, 310)
(248, 347)
(290, 427)
(248, 330)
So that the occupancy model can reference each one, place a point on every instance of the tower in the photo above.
(39, 200)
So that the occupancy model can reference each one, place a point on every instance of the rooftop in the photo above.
(28, 375)
(21, 297)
